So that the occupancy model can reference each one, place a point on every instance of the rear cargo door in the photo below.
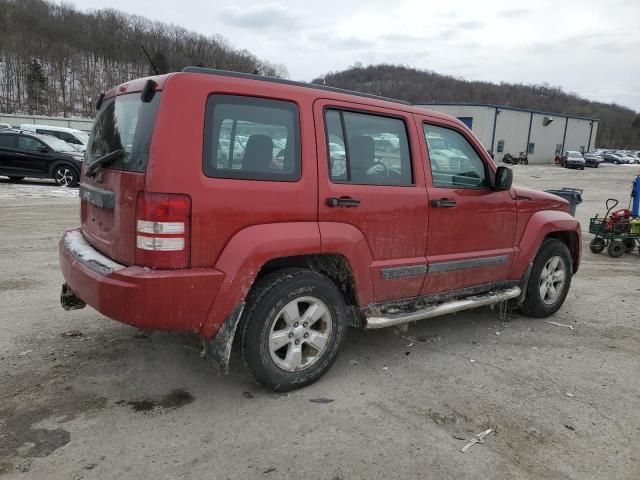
(108, 199)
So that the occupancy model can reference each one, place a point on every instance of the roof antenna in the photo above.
(149, 58)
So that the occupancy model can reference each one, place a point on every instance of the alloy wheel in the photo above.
(300, 334)
(552, 280)
(64, 176)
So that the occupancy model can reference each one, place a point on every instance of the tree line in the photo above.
(619, 127)
(56, 60)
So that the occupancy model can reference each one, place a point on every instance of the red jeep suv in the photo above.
(279, 213)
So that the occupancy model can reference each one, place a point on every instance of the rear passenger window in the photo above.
(251, 138)
(367, 149)
(454, 162)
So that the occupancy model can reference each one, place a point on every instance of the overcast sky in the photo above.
(588, 47)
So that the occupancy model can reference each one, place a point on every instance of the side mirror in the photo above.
(504, 179)
(43, 150)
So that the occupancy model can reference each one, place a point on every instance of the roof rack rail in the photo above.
(249, 76)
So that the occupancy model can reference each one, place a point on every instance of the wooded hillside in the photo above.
(619, 126)
(56, 60)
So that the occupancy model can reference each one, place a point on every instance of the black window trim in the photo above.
(207, 143)
(488, 172)
(42, 144)
(340, 110)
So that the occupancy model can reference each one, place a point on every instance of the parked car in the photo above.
(72, 136)
(630, 157)
(4, 126)
(615, 158)
(38, 156)
(283, 257)
(592, 160)
(627, 157)
(573, 159)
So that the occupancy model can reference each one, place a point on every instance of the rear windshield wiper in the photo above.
(103, 161)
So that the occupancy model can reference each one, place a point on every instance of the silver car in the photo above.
(572, 159)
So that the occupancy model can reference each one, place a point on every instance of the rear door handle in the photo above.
(342, 202)
(443, 203)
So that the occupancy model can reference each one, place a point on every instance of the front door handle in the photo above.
(342, 202)
(443, 203)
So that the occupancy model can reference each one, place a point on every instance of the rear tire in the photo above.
(597, 245)
(549, 281)
(294, 325)
(616, 249)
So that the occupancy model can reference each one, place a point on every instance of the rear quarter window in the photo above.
(251, 138)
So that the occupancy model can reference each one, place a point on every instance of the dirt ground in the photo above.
(82, 396)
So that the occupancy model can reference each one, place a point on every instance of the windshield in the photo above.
(124, 123)
(82, 136)
(57, 144)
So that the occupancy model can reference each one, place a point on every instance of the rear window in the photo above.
(251, 138)
(124, 123)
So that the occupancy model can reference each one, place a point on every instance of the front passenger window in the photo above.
(454, 162)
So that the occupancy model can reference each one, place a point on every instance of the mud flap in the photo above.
(218, 349)
(69, 300)
(524, 283)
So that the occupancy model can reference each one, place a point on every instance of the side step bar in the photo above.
(444, 308)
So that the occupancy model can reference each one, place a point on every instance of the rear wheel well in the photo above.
(333, 266)
(570, 239)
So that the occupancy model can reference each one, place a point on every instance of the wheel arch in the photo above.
(260, 249)
(58, 163)
(571, 240)
(543, 225)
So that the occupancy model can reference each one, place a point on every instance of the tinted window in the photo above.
(251, 138)
(28, 143)
(7, 141)
(376, 150)
(124, 123)
(454, 162)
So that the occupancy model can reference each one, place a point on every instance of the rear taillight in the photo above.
(163, 230)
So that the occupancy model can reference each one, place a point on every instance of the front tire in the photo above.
(294, 325)
(65, 176)
(549, 281)
(629, 245)
(616, 249)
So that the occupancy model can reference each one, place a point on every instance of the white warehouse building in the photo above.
(541, 135)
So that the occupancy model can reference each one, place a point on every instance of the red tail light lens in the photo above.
(163, 230)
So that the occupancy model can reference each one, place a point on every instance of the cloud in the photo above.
(259, 17)
(469, 25)
(330, 39)
(514, 12)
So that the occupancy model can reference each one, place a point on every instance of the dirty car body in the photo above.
(225, 208)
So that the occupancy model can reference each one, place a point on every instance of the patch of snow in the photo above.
(80, 248)
(35, 189)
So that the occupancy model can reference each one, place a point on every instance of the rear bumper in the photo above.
(173, 300)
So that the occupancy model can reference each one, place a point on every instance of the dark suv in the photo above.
(39, 156)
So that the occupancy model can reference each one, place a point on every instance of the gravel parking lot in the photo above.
(82, 396)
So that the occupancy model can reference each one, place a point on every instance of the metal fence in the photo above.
(17, 120)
